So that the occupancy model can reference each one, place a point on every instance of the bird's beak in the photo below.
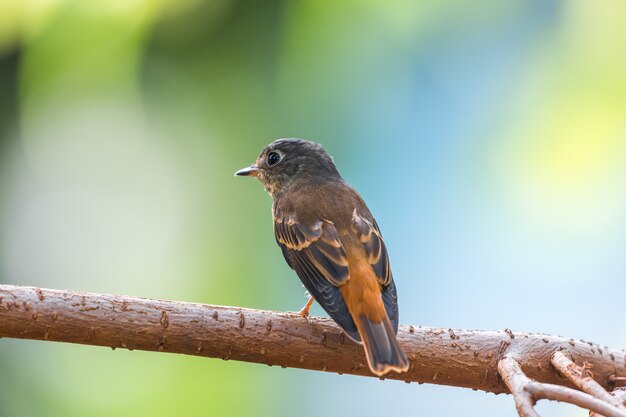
(247, 172)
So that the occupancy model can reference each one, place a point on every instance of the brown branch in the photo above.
(517, 382)
(617, 380)
(582, 377)
(619, 394)
(571, 396)
(527, 392)
(463, 358)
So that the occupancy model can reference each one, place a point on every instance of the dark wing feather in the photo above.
(318, 257)
(375, 249)
(369, 235)
(390, 299)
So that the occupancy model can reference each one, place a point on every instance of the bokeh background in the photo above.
(488, 137)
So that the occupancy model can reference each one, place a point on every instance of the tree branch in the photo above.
(582, 377)
(517, 381)
(463, 358)
(527, 392)
(619, 393)
(571, 396)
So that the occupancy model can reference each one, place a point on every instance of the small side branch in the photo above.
(517, 381)
(582, 377)
(619, 394)
(527, 392)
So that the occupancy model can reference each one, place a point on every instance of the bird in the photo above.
(329, 237)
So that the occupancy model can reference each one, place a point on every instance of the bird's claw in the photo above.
(304, 312)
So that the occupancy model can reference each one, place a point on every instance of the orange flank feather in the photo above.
(362, 295)
(362, 290)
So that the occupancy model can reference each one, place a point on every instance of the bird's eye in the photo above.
(273, 158)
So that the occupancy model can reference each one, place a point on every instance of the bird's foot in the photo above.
(304, 311)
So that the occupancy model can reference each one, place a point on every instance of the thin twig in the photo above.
(617, 380)
(619, 394)
(571, 396)
(583, 379)
(527, 392)
(517, 381)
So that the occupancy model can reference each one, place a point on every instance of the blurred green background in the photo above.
(488, 137)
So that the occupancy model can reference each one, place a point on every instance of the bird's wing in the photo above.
(315, 252)
(369, 234)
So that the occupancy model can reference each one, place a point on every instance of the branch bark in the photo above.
(462, 358)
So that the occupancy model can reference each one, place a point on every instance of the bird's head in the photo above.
(287, 163)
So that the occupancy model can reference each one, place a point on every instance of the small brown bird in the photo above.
(329, 237)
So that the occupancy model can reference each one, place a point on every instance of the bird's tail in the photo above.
(383, 352)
